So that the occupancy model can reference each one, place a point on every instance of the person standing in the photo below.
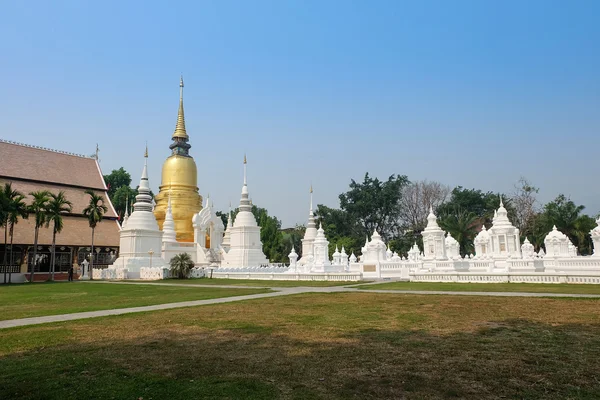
(71, 273)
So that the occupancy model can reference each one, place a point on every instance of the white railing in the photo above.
(154, 273)
(335, 277)
(109, 273)
(502, 277)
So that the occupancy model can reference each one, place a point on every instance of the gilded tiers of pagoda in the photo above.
(179, 180)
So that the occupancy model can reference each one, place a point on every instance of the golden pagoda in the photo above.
(179, 180)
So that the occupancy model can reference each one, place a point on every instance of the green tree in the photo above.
(181, 265)
(461, 224)
(94, 212)
(293, 237)
(481, 204)
(375, 204)
(17, 209)
(38, 208)
(57, 207)
(120, 198)
(116, 179)
(4, 212)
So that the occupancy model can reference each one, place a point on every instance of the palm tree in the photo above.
(461, 224)
(94, 212)
(57, 207)
(4, 208)
(181, 265)
(17, 209)
(38, 208)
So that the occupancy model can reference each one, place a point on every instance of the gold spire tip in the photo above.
(245, 161)
(181, 81)
(146, 152)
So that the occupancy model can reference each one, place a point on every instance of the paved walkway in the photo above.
(277, 291)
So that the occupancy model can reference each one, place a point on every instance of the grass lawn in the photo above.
(256, 282)
(489, 287)
(316, 346)
(34, 300)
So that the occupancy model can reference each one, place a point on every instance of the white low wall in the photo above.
(466, 277)
(336, 277)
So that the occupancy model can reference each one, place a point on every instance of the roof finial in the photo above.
(501, 202)
(97, 151)
(311, 198)
(245, 162)
(146, 152)
(180, 127)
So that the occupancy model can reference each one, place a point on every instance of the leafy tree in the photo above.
(417, 198)
(293, 237)
(181, 265)
(116, 179)
(120, 198)
(563, 213)
(481, 204)
(38, 207)
(57, 207)
(94, 212)
(17, 209)
(461, 224)
(524, 200)
(375, 204)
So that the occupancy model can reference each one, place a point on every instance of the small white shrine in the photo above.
(433, 239)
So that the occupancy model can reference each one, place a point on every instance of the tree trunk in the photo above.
(92, 257)
(33, 261)
(11, 251)
(52, 267)
(5, 243)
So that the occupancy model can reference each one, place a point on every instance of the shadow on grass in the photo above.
(506, 359)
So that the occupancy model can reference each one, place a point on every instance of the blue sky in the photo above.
(471, 93)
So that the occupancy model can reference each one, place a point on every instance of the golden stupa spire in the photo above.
(146, 152)
(180, 127)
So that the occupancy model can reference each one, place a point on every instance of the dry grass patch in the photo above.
(328, 346)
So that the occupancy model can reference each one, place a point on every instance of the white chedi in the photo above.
(504, 237)
(293, 256)
(452, 247)
(558, 244)
(140, 239)
(309, 235)
(433, 239)
(482, 242)
(246, 247)
(321, 252)
(169, 233)
(527, 250)
(375, 250)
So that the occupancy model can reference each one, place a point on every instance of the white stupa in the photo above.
(140, 239)
(321, 252)
(246, 248)
(433, 239)
(505, 238)
(309, 235)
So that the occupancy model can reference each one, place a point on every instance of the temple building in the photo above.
(179, 182)
(30, 169)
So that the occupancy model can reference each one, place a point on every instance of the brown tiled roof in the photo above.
(35, 164)
(76, 232)
(76, 196)
(31, 169)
